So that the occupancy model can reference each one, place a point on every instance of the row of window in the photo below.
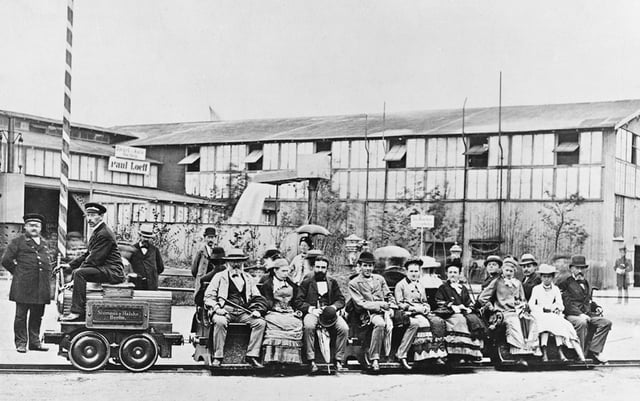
(123, 215)
(46, 163)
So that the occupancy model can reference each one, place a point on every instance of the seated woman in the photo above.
(547, 307)
(506, 295)
(465, 330)
(283, 336)
(411, 297)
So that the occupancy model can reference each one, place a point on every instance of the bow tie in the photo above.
(581, 281)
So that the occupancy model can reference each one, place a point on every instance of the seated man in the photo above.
(230, 297)
(316, 294)
(370, 293)
(101, 263)
(531, 277)
(582, 312)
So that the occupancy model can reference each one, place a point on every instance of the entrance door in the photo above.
(636, 267)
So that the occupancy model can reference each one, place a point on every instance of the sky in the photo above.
(156, 61)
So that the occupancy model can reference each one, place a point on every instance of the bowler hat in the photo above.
(547, 269)
(209, 231)
(74, 235)
(528, 259)
(493, 258)
(217, 253)
(33, 217)
(236, 255)
(93, 207)
(271, 253)
(314, 253)
(366, 257)
(578, 261)
(413, 261)
(328, 317)
(255, 267)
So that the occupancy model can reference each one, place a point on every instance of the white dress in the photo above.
(551, 299)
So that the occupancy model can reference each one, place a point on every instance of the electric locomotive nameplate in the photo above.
(117, 315)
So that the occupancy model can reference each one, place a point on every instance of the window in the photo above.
(396, 157)
(323, 146)
(618, 224)
(253, 161)
(635, 150)
(192, 161)
(568, 149)
(478, 151)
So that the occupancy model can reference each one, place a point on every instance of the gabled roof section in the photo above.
(551, 117)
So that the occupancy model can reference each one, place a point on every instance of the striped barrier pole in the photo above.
(65, 158)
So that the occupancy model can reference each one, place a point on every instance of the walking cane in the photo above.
(242, 308)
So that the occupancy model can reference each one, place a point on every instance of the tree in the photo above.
(564, 231)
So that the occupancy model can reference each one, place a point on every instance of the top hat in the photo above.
(528, 259)
(328, 317)
(33, 217)
(547, 269)
(93, 207)
(236, 255)
(366, 257)
(578, 261)
(217, 253)
(414, 261)
(493, 258)
(209, 231)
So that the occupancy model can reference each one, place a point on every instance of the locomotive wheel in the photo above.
(89, 351)
(138, 352)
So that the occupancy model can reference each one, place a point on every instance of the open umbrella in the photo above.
(391, 251)
(312, 229)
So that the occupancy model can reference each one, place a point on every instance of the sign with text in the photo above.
(129, 152)
(422, 221)
(129, 166)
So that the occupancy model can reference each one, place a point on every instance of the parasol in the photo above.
(312, 229)
(391, 251)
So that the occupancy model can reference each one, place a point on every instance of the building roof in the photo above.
(125, 191)
(550, 117)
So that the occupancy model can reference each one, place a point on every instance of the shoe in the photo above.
(216, 363)
(21, 349)
(440, 362)
(561, 355)
(253, 361)
(522, 363)
(38, 347)
(72, 317)
(404, 364)
(597, 358)
(339, 366)
(375, 366)
(313, 366)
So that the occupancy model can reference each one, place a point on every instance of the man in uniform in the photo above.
(582, 312)
(228, 297)
(146, 260)
(622, 267)
(371, 294)
(531, 277)
(317, 293)
(27, 259)
(101, 263)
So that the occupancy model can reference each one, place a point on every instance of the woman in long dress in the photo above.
(506, 294)
(283, 336)
(547, 307)
(465, 329)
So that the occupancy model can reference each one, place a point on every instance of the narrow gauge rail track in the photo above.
(386, 368)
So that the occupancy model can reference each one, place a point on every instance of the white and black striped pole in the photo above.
(65, 158)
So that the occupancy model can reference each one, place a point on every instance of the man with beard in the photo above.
(583, 312)
(531, 277)
(27, 259)
(316, 294)
(146, 260)
(101, 263)
(370, 293)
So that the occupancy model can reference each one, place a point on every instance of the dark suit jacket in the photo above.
(149, 265)
(447, 296)
(266, 289)
(308, 294)
(576, 299)
(103, 254)
(528, 284)
(29, 264)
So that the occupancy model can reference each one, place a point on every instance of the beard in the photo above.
(320, 276)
